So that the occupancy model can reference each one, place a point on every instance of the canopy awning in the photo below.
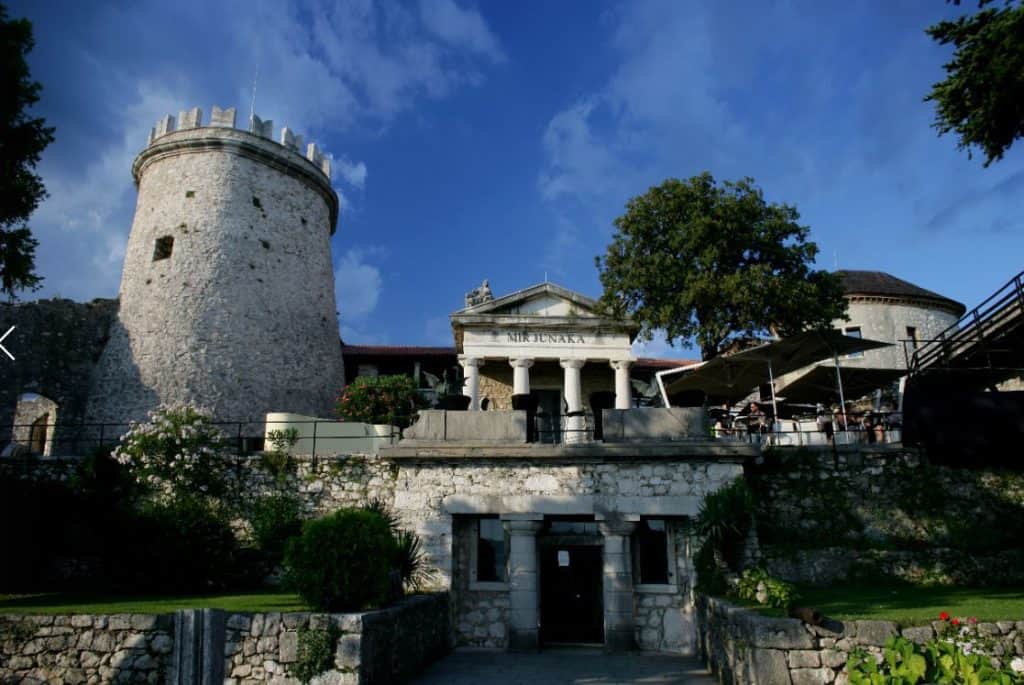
(818, 384)
(734, 376)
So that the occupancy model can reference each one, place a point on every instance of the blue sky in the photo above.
(500, 139)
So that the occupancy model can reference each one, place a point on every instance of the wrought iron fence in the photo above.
(240, 438)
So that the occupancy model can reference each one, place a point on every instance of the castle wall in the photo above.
(56, 344)
(240, 319)
(888, 321)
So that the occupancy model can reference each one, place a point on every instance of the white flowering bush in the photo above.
(177, 452)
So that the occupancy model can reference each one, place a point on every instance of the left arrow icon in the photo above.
(2, 338)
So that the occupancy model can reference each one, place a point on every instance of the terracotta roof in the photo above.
(651, 363)
(397, 350)
(881, 284)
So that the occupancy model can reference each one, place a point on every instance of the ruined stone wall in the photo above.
(56, 344)
(122, 648)
(240, 318)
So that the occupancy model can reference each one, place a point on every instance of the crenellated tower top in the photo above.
(225, 118)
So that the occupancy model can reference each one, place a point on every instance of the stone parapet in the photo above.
(653, 424)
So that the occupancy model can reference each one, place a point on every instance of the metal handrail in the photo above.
(971, 324)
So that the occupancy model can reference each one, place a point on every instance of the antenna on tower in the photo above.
(252, 103)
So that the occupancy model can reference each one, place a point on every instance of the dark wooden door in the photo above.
(571, 606)
(549, 414)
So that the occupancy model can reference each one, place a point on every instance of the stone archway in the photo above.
(35, 419)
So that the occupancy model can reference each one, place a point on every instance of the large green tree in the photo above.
(711, 263)
(982, 97)
(22, 139)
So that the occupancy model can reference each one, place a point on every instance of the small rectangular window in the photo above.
(650, 553)
(491, 552)
(163, 248)
(912, 337)
(853, 332)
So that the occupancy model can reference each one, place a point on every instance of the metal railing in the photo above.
(977, 328)
(881, 428)
(239, 438)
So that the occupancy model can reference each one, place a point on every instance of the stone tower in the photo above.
(227, 295)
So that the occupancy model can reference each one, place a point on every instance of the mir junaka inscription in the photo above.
(554, 338)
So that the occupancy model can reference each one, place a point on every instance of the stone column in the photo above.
(573, 392)
(471, 371)
(623, 390)
(618, 585)
(521, 375)
(523, 584)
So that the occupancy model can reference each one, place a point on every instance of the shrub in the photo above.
(724, 519)
(342, 562)
(315, 653)
(178, 452)
(275, 519)
(410, 560)
(183, 545)
(756, 585)
(380, 399)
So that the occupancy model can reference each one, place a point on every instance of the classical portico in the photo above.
(547, 341)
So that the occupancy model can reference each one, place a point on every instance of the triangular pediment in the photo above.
(542, 300)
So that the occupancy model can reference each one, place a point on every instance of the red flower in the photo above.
(944, 616)
(972, 620)
(955, 621)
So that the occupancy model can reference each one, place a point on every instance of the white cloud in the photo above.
(357, 287)
(354, 173)
(323, 70)
(461, 28)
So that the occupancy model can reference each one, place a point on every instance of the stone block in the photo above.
(811, 676)
(919, 634)
(833, 658)
(349, 653)
(436, 425)
(239, 622)
(776, 633)
(224, 118)
(81, 621)
(121, 622)
(143, 621)
(875, 632)
(288, 647)
(655, 424)
(804, 658)
(767, 667)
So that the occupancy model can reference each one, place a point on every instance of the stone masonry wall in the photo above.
(381, 646)
(744, 648)
(241, 318)
(122, 648)
(480, 616)
(421, 488)
(496, 381)
(665, 619)
(826, 516)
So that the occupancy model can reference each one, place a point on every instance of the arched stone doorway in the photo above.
(34, 421)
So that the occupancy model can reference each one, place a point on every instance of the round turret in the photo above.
(227, 295)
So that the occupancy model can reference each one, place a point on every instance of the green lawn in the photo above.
(157, 604)
(914, 605)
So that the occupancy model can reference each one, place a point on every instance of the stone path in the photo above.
(562, 667)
